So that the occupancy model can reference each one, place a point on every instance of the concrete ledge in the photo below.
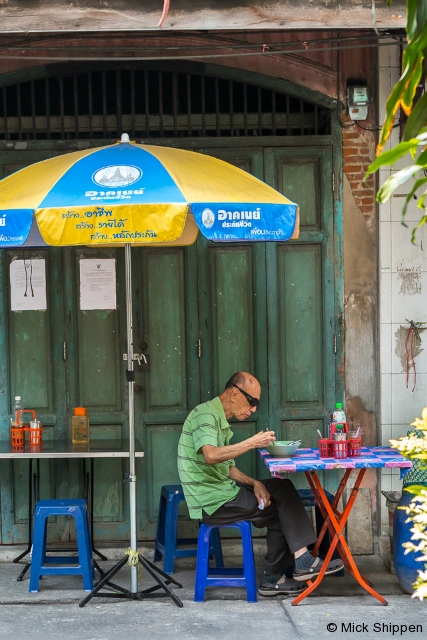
(115, 551)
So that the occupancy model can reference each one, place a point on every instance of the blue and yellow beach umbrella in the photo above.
(139, 194)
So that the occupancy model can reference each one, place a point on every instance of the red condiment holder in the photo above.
(326, 448)
(17, 434)
(354, 447)
(347, 449)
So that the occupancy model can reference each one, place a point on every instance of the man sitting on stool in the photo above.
(218, 493)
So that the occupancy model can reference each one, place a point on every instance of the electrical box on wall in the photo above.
(357, 102)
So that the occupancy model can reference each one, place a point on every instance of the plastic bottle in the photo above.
(338, 415)
(17, 407)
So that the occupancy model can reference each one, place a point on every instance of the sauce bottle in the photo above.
(79, 426)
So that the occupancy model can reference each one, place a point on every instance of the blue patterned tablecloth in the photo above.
(309, 460)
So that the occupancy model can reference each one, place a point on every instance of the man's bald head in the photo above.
(235, 401)
(244, 380)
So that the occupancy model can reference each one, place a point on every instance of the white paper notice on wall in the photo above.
(28, 285)
(97, 284)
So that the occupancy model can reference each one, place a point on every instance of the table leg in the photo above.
(327, 524)
(336, 524)
(91, 523)
(342, 517)
(335, 502)
(30, 523)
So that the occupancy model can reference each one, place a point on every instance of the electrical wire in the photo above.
(356, 122)
(28, 277)
(200, 56)
(236, 44)
(165, 11)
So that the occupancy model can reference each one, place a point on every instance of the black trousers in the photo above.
(288, 526)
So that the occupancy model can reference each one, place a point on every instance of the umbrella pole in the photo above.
(130, 374)
(133, 558)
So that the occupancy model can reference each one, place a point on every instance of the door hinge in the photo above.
(64, 350)
(199, 348)
(333, 183)
(335, 343)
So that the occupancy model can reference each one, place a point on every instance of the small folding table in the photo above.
(62, 449)
(309, 461)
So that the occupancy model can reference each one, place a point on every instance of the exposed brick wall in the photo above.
(358, 153)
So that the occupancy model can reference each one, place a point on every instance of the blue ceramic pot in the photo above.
(406, 566)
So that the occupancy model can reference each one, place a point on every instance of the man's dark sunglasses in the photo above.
(254, 402)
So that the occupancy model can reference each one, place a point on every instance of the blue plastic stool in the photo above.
(41, 564)
(309, 500)
(221, 577)
(167, 530)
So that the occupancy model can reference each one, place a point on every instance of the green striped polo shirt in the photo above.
(206, 486)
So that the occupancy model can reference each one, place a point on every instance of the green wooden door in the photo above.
(165, 329)
(95, 378)
(232, 312)
(300, 300)
(33, 367)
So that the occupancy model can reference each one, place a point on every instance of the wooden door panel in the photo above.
(248, 159)
(248, 462)
(301, 301)
(300, 324)
(299, 180)
(165, 329)
(95, 375)
(166, 320)
(232, 320)
(99, 367)
(30, 364)
(30, 354)
(52, 483)
(110, 493)
(301, 290)
(33, 360)
(162, 467)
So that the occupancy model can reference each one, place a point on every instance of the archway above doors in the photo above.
(152, 102)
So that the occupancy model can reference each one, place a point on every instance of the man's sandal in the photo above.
(284, 586)
(308, 573)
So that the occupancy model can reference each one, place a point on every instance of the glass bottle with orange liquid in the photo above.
(79, 426)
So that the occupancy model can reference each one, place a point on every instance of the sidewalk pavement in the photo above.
(225, 615)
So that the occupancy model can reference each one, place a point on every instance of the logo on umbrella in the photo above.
(117, 175)
(208, 218)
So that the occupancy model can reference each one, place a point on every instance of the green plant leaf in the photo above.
(411, 20)
(419, 456)
(419, 183)
(422, 159)
(411, 87)
(421, 201)
(392, 105)
(416, 489)
(391, 184)
(417, 119)
(404, 90)
(421, 13)
(420, 224)
(393, 155)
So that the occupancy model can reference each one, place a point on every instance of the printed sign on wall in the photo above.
(97, 284)
(28, 285)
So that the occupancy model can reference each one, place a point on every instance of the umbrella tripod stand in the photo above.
(132, 556)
